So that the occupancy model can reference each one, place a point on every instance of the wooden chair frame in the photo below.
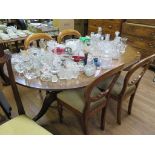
(88, 112)
(144, 64)
(6, 59)
(67, 32)
(34, 37)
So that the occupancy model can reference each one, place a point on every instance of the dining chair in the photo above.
(34, 37)
(126, 85)
(85, 102)
(67, 32)
(22, 124)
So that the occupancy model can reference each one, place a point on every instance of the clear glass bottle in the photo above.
(116, 45)
(90, 68)
(117, 33)
(117, 37)
(99, 33)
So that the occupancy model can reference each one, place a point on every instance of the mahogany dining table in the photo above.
(128, 58)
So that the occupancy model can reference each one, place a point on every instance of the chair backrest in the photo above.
(142, 65)
(114, 73)
(6, 59)
(36, 36)
(67, 32)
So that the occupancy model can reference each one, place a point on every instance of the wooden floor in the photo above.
(142, 120)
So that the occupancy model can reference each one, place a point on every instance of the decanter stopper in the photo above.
(117, 34)
(100, 30)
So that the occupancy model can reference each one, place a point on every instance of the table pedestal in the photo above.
(49, 99)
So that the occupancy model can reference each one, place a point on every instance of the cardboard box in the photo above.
(63, 24)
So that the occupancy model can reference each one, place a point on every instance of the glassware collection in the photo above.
(53, 61)
(11, 32)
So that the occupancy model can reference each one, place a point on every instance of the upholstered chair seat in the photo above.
(75, 98)
(22, 125)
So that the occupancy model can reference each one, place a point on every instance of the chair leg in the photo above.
(130, 103)
(103, 114)
(119, 111)
(85, 125)
(60, 111)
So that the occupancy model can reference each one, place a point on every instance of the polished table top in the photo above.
(129, 57)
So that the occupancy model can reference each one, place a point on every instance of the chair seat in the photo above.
(75, 98)
(116, 90)
(22, 125)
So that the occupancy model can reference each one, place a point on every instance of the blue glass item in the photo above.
(96, 62)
